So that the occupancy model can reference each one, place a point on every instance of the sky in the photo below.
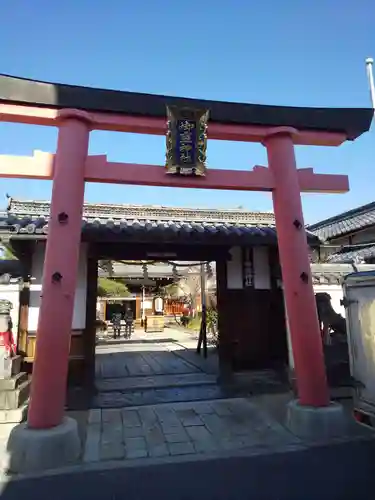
(289, 52)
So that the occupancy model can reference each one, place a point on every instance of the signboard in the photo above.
(248, 268)
(186, 141)
(154, 324)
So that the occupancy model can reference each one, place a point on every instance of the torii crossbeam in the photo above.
(98, 169)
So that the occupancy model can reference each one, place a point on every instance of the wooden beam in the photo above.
(160, 252)
(38, 166)
(98, 169)
(258, 179)
(158, 126)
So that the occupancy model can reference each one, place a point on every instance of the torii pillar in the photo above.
(313, 409)
(47, 428)
(295, 268)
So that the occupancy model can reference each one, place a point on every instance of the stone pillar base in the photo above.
(312, 423)
(32, 450)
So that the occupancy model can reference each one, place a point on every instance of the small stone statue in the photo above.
(7, 346)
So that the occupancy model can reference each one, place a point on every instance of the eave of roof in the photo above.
(13, 90)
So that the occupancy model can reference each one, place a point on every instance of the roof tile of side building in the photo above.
(345, 223)
(355, 254)
(334, 273)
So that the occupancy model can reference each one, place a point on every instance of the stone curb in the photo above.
(103, 466)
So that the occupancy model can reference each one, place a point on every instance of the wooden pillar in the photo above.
(138, 306)
(24, 299)
(295, 266)
(224, 347)
(48, 389)
(89, 334)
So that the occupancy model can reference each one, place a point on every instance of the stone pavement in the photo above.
(154, 368)
(158, 400)
(181, 429)
(211, 428)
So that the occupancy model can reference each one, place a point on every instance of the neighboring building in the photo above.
(243, 244)
(349, 236)
(348, 243)
(145, 282)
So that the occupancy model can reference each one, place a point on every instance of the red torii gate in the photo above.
(78, 110)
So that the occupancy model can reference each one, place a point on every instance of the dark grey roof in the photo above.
(356, 254)
(334, 273)
(345, 223)
(352, 122)
(25, 219)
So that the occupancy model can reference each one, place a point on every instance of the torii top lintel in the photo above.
(30, 101)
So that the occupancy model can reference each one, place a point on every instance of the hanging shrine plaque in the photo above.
(186, 141)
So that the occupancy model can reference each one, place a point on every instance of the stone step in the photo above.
(261, 382)
(124, 384)
(11, 400)
(16, 362)
(117, 399)
(344, 392)
(12, 366)
(10, 384)
(14, 416)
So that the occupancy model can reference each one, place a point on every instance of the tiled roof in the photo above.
(144, 212)
(136, 222)
(344, 223)
(158, 223)
(354, 254)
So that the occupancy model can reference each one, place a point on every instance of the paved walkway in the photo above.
(158, 399)
(154, 368)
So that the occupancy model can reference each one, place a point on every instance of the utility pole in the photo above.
(370, 77)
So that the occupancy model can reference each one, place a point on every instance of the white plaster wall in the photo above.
(11, 292)
(336, 293)
(365, 236)
(261, 267)
(288, 336)
(79, 316)
(234, 270)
